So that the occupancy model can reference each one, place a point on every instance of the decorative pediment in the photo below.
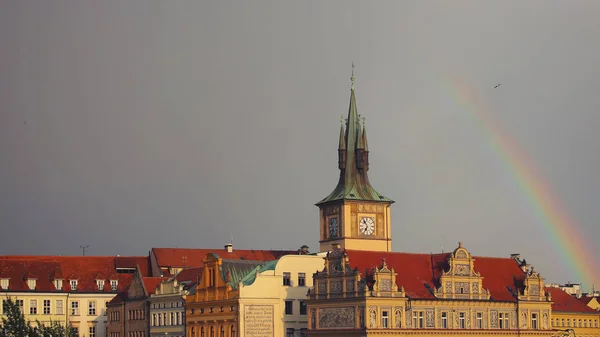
(384, 282)
(460, 280)
(533, 287)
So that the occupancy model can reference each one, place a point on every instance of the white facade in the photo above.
(87, 313)
(282, 291)
(167, 311)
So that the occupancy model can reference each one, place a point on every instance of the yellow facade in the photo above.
(42, 306)
(88, 315)
(583, 324)
(594, 304)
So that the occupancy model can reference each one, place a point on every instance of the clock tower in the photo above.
(354, 215)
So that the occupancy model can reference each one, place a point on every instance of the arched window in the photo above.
(212, 331)
(193, 331)
(202, 332)
(232, 331)
(222, 331)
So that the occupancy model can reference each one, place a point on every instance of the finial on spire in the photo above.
(342, 120)
(352, 77)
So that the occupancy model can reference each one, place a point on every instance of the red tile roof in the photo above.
(585, 300)
(190, 274)
(151, 283)
(192, 257)
(85, 269)
(567, 303)
(419, 273)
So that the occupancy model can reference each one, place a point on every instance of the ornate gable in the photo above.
(461, 281)
(337, 279)
(533, 287)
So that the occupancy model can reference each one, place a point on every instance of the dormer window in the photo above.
(58, 284)
(4, 283)
(100, 284)
(73, 284)
(31, 283)
(113, 285)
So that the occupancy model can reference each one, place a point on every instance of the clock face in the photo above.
(367, 226)
(333, 228)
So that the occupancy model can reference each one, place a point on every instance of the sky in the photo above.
(127, 125)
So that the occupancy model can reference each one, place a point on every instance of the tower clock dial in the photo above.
(333, 228)
(367, 225)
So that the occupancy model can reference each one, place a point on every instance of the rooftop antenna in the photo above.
(442, 244)
(84, 247)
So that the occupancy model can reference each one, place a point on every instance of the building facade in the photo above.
(66, 289)
(167, 310)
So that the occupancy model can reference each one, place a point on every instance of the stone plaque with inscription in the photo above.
(337, 317)
(258, 321)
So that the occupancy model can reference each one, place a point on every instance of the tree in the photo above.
(15, 325)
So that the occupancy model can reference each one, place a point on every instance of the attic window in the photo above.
(73, 284)
(100, 284)
(31, 284)
(58, 284)
(381, 197)
(4, 283)
(113, 285)
(352, 195)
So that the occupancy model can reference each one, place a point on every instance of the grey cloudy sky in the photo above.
(128, 125)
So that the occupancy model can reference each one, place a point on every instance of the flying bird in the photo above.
(497, 85)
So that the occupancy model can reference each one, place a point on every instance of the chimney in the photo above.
(229, 247)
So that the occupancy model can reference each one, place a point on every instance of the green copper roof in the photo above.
(354, 181)
(238, 269)
(251, 276)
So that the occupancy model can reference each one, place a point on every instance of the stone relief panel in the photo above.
(494, 319)
(343, 317)
(545, 320)
(372, 317)
(335, 286)
(461, 254)
(429, 318)
(322, 286)
(313, 319)
(524, 319)
(468, 318)
(513, 320)
(398, 317)
(475, 287)
(258, 320)
(350, 286)
(461, 288)
(385, 285)
(407, 319)
(462, 269)
(448, 287)
(534, 289)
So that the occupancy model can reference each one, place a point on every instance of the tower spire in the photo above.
(353, 159)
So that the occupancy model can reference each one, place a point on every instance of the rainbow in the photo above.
(560, 230)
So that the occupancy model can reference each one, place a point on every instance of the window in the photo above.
(302, 308)
(59, 307)
(534, 321)
(92, 331)
(479, 320)
(100, 284)
(165, 318)
(31, 284)
(289, 332)
(153, 319)
(20, 304)
(461, 320)
(232, 331)
(160, 323)
(201, 332)
(92, 308)
(178, 315)
(287, 279)
(46, 307)
(289, 307)
(212, 331)
(301, 279)
(113, 285)
(222, 333)
(444, 320)
(58, 284)
(4, 283)
(503, 320)
(4, 305)
(73, 285)
(33, 307)
(418, 321)
(172, 321)
(385, 319)
(563, 322)
(74, 308)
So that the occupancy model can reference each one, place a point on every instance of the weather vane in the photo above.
(352, 77)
